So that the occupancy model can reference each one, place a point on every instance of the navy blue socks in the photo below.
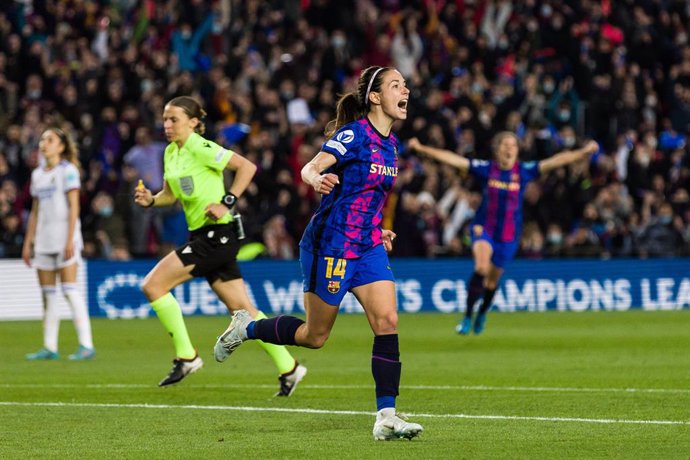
(385, 367)
(474, 292)
(279, 330)
(486, 303)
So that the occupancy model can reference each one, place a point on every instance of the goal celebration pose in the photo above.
(344, 248)
(496, 227)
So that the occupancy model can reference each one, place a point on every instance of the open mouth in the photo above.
(402, 105)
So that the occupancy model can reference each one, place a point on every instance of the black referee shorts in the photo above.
(213, 251)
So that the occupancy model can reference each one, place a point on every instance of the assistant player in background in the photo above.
(344, 248)
(193, 174)
(495, 229)
(54, 235)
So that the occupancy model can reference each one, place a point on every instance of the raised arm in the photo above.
(567, 157)
(311, 173)
(442, 155)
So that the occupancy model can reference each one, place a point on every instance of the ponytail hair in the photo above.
(193, 109)
(355, 104)
(346, 110)
(71, 151)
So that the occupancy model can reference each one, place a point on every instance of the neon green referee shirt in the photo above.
(194, 173)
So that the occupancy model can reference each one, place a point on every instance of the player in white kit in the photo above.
(54, 231)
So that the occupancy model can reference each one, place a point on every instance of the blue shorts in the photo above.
(502, 252)
(331, 278)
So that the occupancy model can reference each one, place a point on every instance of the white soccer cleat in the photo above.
(390, 425)
(233, 336)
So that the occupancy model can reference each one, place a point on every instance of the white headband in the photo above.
(371, 82)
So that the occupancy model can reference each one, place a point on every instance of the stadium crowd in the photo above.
(269, 73)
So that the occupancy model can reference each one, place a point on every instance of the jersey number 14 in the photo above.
(335, 267)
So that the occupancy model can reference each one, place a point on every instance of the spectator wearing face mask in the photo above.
(553, 246)
(637, 179)
(564, 104)
(663, 236)
(566, 138)
(103, 226)
(336, 58)
(146, 158)
(186, 43)
(407, 47)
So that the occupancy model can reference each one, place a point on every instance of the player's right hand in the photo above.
(325, 183)
(143, 196)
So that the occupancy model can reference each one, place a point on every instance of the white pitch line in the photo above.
(344, 412)
(362, 387)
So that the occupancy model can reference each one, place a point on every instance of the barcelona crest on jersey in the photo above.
(333, 286)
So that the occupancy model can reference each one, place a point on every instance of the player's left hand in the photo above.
(591, 147)
(388, 236)
(26, 254)
(216, 210)
(413, 144)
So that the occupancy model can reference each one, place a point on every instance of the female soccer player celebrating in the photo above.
(193, 174)
(344, 248)
(496, 227)
(54, 231)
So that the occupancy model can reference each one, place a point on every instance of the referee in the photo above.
(193, 174)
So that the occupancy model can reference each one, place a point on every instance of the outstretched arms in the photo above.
(442, 155)
(567, 157)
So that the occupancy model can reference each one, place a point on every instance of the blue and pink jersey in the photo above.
(500, 213)
(347, 222)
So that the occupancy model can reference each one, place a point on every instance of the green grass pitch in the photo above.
(534, 385)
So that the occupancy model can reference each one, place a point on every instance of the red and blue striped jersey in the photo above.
(500, 212)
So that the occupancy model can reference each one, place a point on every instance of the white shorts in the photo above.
(52, 262)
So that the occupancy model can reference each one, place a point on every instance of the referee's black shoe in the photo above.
(290, 380)
(181, 369)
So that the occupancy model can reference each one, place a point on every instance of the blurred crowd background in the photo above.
(269, 74)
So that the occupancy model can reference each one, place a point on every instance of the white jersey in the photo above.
(50, 187)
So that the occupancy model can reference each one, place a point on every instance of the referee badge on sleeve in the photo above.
(187, 185)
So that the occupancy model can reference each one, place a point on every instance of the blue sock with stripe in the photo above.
(385, 367)
(279, 330)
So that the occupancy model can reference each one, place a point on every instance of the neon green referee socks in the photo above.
(170, 315)
(281, 357)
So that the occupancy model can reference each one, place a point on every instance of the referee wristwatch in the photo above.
(229, 200)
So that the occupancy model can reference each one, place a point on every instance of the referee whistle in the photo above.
(140, 185)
